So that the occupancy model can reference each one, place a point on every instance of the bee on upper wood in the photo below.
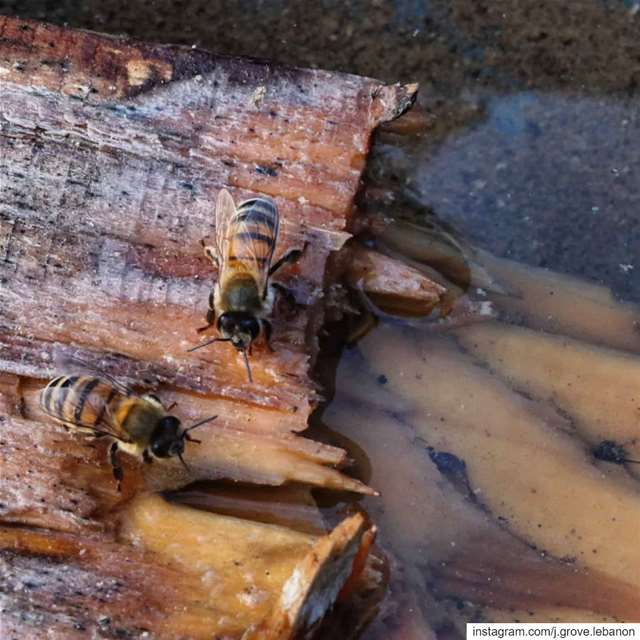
(242, 299)
(105, 408)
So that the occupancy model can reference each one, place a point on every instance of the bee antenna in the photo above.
(246, 362)
(205, 344)
(197, 424)
(631, 461)
(184, 464)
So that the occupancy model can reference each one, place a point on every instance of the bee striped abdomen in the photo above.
(253, 231)
(259, 211)
(78, 400)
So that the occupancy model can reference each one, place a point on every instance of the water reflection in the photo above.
(493, 506)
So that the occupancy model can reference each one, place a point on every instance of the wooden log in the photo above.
(112, 154)
(190, 574)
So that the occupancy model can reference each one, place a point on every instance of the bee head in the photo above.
(241, 328)
(167, 439)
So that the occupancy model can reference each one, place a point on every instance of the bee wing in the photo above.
(105, 425)
(70, 364)
(225, 210)
(239, 245)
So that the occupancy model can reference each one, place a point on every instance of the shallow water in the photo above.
(532, 154)
(493, 505)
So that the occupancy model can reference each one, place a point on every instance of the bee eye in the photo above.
(169, 425)
(160, 448)
(251, 326)
(165, 437)
(226, 323)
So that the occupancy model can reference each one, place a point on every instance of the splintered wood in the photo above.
(173, 572)
(112, 154)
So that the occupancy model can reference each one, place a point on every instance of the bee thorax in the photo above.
(241, 295)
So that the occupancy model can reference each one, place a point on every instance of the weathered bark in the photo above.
(172, 572)
(113, 153)
(111, 157)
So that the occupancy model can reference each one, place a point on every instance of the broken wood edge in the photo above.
(392, 101)
(129, 67)
(317, 582)
(159, 588)
(393, 285)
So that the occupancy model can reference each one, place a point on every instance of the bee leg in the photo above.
(267, 331)
(146, 456)
(118, 474)
(93, 436)
(211, 315)
(288, 258)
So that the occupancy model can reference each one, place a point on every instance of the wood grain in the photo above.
(112, 153)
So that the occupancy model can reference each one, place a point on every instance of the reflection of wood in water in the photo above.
(481, 440)
(539, 529)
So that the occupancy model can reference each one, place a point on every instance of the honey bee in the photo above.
(242, 299)
(102, 407)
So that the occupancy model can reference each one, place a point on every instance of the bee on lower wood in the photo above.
(242, 299)
(105, 408)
